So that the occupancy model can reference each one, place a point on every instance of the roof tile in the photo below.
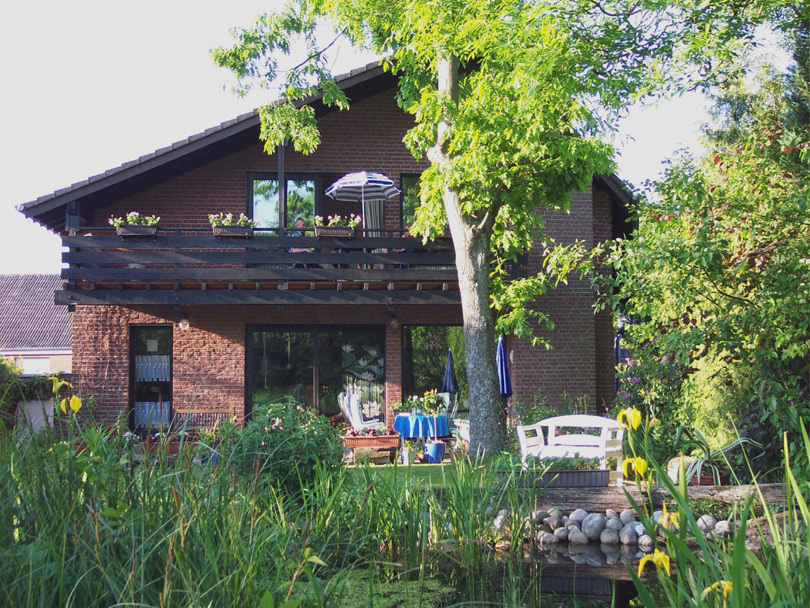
(28, 318)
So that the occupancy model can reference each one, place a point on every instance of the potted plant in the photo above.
(716, 460)
(135, 224)
(433, 404)
(340, 226)
(225, 224)
(409, 451)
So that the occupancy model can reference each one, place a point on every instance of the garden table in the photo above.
(421, 427)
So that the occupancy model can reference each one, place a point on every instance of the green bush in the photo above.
(282, 444)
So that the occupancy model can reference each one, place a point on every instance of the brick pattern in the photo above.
(221, 186)
(209, 358)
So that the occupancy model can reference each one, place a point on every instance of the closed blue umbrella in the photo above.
(504, 383)
(450, 384)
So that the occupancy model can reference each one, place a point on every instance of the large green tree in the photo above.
(511, 99)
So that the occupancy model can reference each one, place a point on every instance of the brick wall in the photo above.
(209, 357)
(368, 137)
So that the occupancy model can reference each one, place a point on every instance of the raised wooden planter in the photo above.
(342, 232)
(244, 232)
(136, 230)
(379, 441)
(576, 479)
(563, 479)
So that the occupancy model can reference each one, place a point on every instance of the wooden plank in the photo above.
(256, 274)
(133, 297)
(281, 256)
(599, 499)
(258, 242)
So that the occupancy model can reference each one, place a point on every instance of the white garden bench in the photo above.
(607, 444)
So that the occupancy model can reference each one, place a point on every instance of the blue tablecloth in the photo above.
(420, 427)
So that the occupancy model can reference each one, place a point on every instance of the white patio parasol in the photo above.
(363, 186)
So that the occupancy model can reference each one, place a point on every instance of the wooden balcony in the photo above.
(192, 267)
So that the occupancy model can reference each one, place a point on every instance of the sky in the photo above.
(88, 85)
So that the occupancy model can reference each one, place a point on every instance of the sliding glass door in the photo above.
(315, 364)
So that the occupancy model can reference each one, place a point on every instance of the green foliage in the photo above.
(716, 460)
(720, 572)
(715, 281)
(13, 389)
(284, 443)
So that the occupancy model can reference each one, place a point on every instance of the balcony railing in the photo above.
(194, 267)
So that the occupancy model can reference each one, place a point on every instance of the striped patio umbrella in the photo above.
(361, 186)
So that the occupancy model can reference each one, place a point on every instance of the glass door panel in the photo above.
(282, 365)
(300, 202)
(150, 377)
(265, 203)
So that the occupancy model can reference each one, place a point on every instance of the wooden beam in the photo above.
(140, 297)
(257, 274)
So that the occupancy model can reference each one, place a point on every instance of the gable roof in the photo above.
(29, 319)
(184, 155)
(211, 144)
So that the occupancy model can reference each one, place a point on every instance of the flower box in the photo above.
(244, 232)
(136, 230)
(368, 441)
(342, 232)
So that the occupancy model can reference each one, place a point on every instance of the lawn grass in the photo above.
(429, 475)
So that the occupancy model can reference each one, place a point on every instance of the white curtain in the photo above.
(375, 210)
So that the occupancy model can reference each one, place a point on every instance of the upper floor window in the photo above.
(264, 203)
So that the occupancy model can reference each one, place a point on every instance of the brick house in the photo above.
(184, 324)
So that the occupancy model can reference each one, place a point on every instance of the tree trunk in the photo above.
(471, 240)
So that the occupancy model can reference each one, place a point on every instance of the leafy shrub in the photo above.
(283, 442)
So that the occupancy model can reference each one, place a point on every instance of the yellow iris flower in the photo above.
(668, 520)
(639, 466)
(58, 383)
(631, 415)
(725, 586)
(659, 558)
(74, 402)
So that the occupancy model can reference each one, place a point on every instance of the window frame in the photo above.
(292, 176)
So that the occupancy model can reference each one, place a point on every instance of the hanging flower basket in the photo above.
(136, 230)
(244, 232)
(340, 232)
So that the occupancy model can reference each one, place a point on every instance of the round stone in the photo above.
(578, 516)
(628, 535)
(593, 525)
(547, 538)
(706, 523)
(627, 516)
(555, 513)
(646, 543)
(656, 516)
(576, 537)
(609, 537)
(722, 528)
(640, 529)
(561, 534)
(539, 515)
(614, 523)
(500, 519)
(610, 513)
(554, 522)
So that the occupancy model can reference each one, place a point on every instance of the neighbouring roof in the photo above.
(28, 317)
